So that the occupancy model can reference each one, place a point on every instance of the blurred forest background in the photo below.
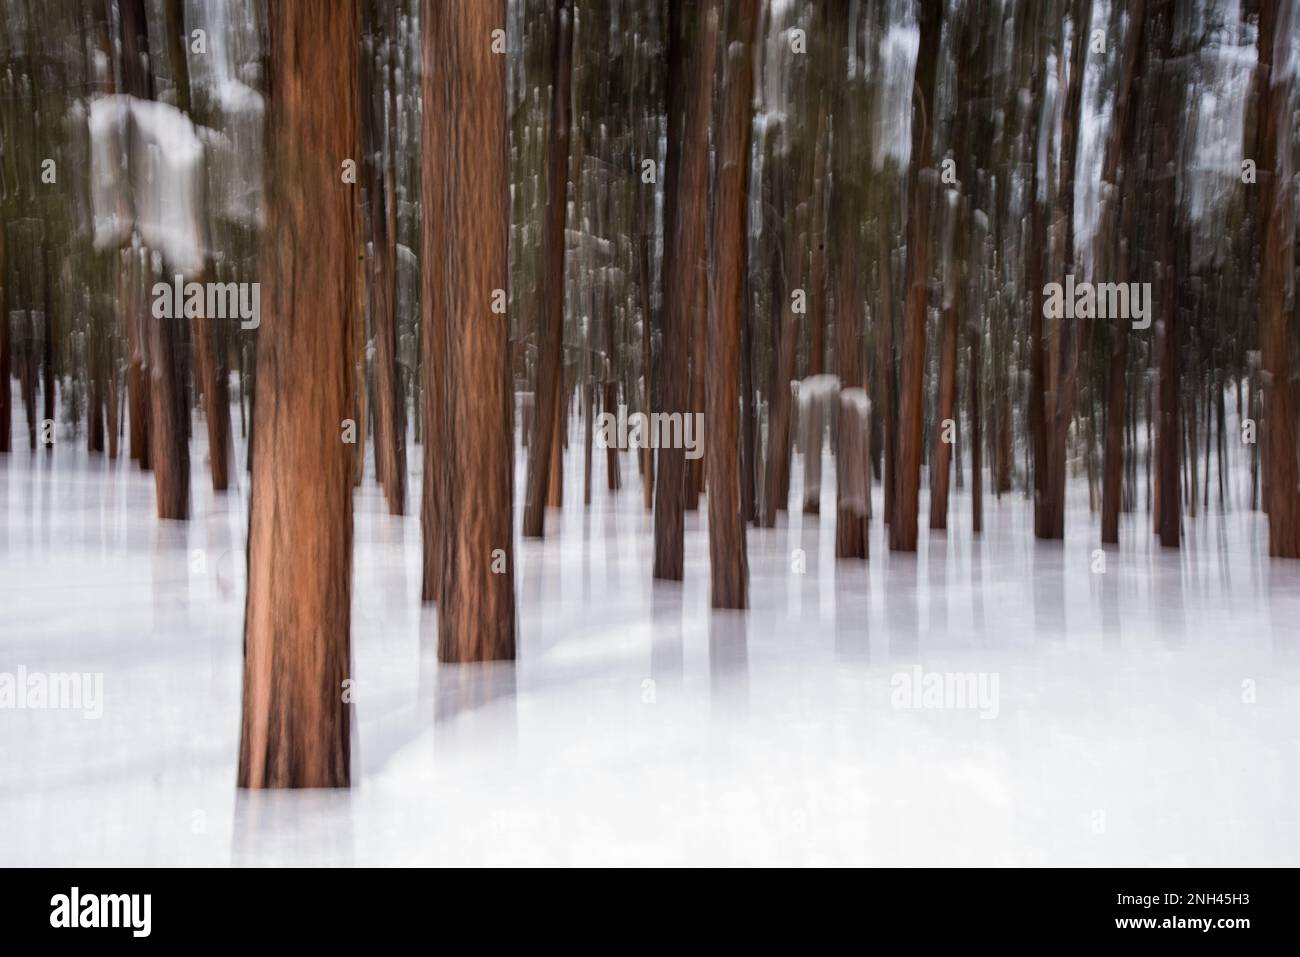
(829, 227)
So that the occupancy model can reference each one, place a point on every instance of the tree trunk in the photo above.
(161, 355)
(6, 371)
(1114, 229)
(435, 117)
(476, 615)
(1165, 195)
(1067, 335)
(846, 207)
(902, 530)
(941, 450)
(297, 623)
(1277, 223)
(776, 480)
(647, 453)
(550, 357)
(685, 205)
(728, 561)
(390, 431)
(212, 379)
(817, 251)
(885, 366)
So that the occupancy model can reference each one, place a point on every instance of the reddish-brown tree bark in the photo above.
(902, 530)
(544, 446)
(390, 429)
(435, 118)
(212, 381)
(1277, 223)
(297, 620)
(1067, 335)
(728, 561)
(686, 185)
(476, 614)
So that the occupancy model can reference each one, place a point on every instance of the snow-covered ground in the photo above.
(1147, 714)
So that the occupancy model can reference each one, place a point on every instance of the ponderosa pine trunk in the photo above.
(728, 562)
(161, 354)
(785, 331)
(390, 430)
(297, 619)
(1168, 508)
(902, 530)
(51, 338)
(434, 116)
(476, 613)
(1111, 249)
(690, 85)
(817, 250)
(6, 371)
(213, 382)
(647, 453)
(955, 281)
(941, 448)
(1067, 334)
(1277, 222)
(543, 447)
(1032, 44)
(850, 513)
(885, 365)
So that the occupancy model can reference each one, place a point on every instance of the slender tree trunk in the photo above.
(941, 450)
(1067, 337)
(212, 379)
(644, 278)
(389, 435)
(297, 622)
(435, 120)
(6, 369)
(1277, 218)
(1115, 227)
(51, 338)
(728, 561)
(776, 487)
(476, 615)
(137, 382)
(851, 524)
(817, 250)
(885, 365)
(902, 531)
(216, 400)
(685, 203)
(550, 358)
(748, 500)
(613, 478)
(1031, 43)
(164, 357)
(1169, 434)
(976, 432)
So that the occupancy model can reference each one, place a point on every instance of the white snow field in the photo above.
(1147, 715)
